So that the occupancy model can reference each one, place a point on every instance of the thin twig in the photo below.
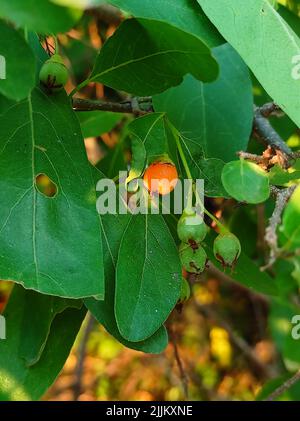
(183, 375)
(258, 159)
(223, 277)
(271, 238)
(263, 130)
(134, 106)
(268, 159)
(236, 340)
(296, 155)
(271, 109)
(77, 386)
(284, 387)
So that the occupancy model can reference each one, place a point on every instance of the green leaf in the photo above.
(16, 58)
(246, 182)
(36, 324)
(114, 161)
(95, 123)
(210, 170)
(281, 326)
(246, 272)
(291, 18)
(183, 14)
(152, 130)
(113, 228)
(280, 177)
(148, 277)
(295, 274)
(286, 277)
(291, 218)
(5, 103)
(290, 394)
(243, 224)
(40, 54)
(42, 236)
(138, 158)
(80, 54)
(267, 44)
(206, 114)
(153, 57)
(43, 16)
(19, 381)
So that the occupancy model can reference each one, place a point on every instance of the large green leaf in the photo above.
(291, 219)
(5, 103)
(206, 114)
(41, 237)
(266, 43)
(17, 64)
(291, 18)
(113, 227)
(18, 380)
(184, 14)
(154, 56)
(95, 123)
(148, 277)
(36, 323)
(42, 16)
(246, 181)
(290, 394)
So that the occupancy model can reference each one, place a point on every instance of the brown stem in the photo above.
(263, 130)
(183, 375)
(77, 386)
(237, 341)
(135, 106)
(282, 197)
(215, 272)
(258, 159)
(284, 387)
(271, 109)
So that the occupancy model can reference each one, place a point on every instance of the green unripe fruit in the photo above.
(192, 260)
(54, 74)
(185, 292)
(191, 227)
(227, 249)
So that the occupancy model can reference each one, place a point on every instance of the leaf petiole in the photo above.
(79, 87)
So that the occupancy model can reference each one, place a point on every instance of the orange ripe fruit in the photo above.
(161, 177)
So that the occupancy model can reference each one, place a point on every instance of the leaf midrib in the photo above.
(32, 132)
(137, 60)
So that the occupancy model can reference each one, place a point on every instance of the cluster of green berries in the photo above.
(192, 230)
